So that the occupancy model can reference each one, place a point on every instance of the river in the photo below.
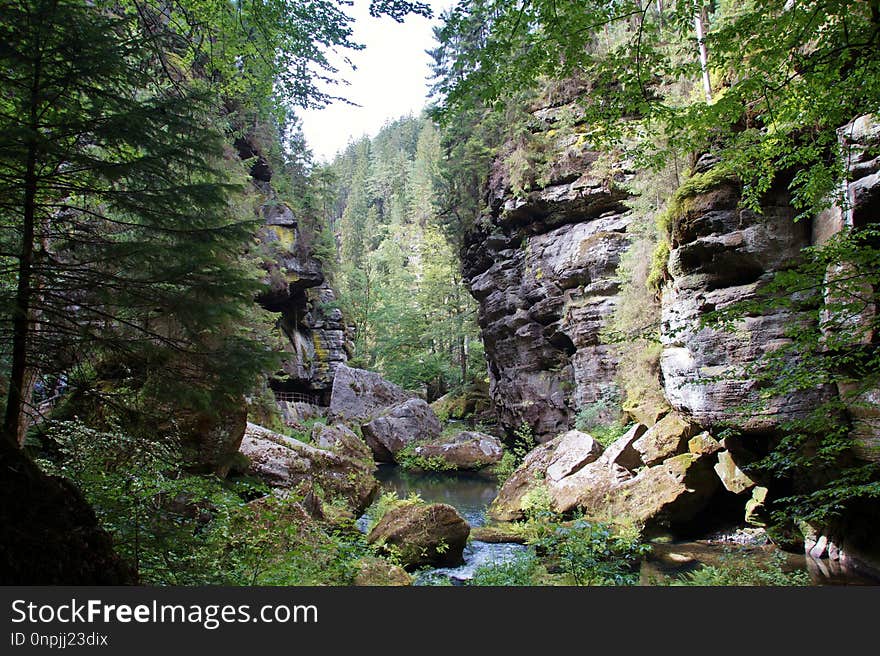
(471, 493)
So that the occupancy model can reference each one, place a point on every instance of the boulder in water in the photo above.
(404, 424)
(466, 450)
(422, 534)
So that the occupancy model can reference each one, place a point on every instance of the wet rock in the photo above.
(286, 463)
(360, 395)
(732, 477)
(407, 423)
(466, 450)
(665, 439)
(422, 534)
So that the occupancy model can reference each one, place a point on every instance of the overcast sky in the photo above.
(390, 80)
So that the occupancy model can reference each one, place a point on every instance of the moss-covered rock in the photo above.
(380, 572)
(419, 534)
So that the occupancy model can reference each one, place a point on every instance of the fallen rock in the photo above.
(422, 534)
(467, 450)
(342, 440)
(667, 438)
(286, 463)
(407, 423)
(622, 453)
(703, 444)
(732, 477)
(360, 395)
(507, 505)
(672, 492)
(502, 532)
(574, 450)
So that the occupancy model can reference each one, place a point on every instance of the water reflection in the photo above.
(468, 492)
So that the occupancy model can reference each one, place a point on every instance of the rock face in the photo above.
(401, 425)
(360, 395)
(541, 263)
(467, 450)
(286, 463)
(575, 450)
(722, 254)
(421, 534)
(315, 338)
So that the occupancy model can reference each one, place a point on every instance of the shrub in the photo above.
(522, 570)
(734, 569)
(594, 553)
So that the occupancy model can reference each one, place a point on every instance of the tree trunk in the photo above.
(699, 24)
(15, 400)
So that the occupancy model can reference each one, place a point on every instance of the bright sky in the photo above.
(391, 79)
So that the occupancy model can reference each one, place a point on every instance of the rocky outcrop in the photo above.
(288, 464)
(541, 263)
(722, 254)
(410, 422)
(466, 450)
(315, 339)
(340, 439)
(573, 473)
(422, 534)
(360, 395)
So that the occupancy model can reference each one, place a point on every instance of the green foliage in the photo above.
(520, 571)
(593, 553)
(785, 78)
(523, 442)
(409, 459)
(398, 272)
(833, 283)
(659, 273)
(738, 570)
(179, 529)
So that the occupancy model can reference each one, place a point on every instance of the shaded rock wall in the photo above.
(315, 337)
(542, 265)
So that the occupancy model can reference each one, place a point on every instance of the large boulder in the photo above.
(669, 493)
(422, 534)
(401, 425)
(621, 452)
(466, 450)
(340, 439)
(575, 450)
(360, 395)
(614, 483)
(507, 505)
(667, 438)
(731, 476)
(286, 463)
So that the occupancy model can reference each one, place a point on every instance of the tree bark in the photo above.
(15, 400)
(700, 24)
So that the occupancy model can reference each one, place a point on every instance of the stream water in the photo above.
(471, 494)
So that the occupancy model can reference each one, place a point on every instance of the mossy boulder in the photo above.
(380, 572)
(286, 463)
(419, 534)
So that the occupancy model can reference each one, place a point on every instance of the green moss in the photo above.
(659, 272)
(681, 201)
